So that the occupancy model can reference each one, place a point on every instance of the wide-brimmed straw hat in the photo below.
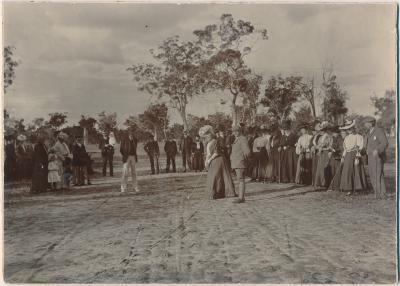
(21, 137)
(348, 125)
(205, 130)
(325, 125)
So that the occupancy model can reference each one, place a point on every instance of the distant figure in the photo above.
(62, 151)
(68, 172)
(53, 176)
(79, 161)
(335, 159)
(288, 157)
(153, 151)
(304, 163)
(324, 146)
(107, 145)
(275, 152)
(198, 155)
(186, 149)
(129, 160)
(376, 145)
(24, 158)
(171, 150)
(40, 164)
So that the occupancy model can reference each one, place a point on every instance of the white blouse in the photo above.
(259, 142)
(303, 143)
(353, 142)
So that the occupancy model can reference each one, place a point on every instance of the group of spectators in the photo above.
(49, 164)
(326, 156)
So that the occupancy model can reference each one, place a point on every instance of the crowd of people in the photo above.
(326, 156)
(323, 155)
(49, 164)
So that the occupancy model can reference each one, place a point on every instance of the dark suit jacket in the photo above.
(152, 148)
(79, 155)
(125, 148)
(170, 148)
(376, 140)
(40, 157)
(186, 145)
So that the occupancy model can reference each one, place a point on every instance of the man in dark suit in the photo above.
(171, 150)
(186, 149)
(153, 151)
(107, 154)
(79, 161)
(376, 144)
(129, 160)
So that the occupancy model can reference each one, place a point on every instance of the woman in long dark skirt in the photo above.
(304, 163)
(324, 146)
(335, 161)
(276, 154)
(353, 177)
(198, 155)
(40, 163)
(219, 179)
(288, 153)
(314, 151)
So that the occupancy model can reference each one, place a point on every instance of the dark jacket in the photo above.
(198, 151)
(40, 157)
(288, 140)
(186, 145)
(126, 146)
(106, 149)
(170, 148)
(376, 140)
(152, 148)
(337, 147)
(79, 155)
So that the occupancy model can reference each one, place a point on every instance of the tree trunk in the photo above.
(312, 103)
(234, 112)
(182, 113)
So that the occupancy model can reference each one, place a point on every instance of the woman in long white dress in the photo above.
(219, 179)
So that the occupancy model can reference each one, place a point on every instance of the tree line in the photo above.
(215, 61)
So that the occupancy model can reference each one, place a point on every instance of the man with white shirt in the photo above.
(376, 144)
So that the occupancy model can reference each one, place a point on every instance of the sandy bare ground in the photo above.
(169, 232)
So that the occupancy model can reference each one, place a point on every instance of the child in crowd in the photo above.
(68, 173)
(53, 176)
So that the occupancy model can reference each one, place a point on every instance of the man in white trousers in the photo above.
(129, 160)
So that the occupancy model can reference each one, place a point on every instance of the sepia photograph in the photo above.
(217, 143)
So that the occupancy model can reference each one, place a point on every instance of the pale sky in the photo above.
(74, 56)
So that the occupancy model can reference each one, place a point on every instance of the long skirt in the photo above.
(276, 165)
(198, 162)
(353, 176)
(336, 169)
(304, 169)
(288, 165)
(219, 180)
(39, 178)
(315, 157)
(250, 165)
(323, 172)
